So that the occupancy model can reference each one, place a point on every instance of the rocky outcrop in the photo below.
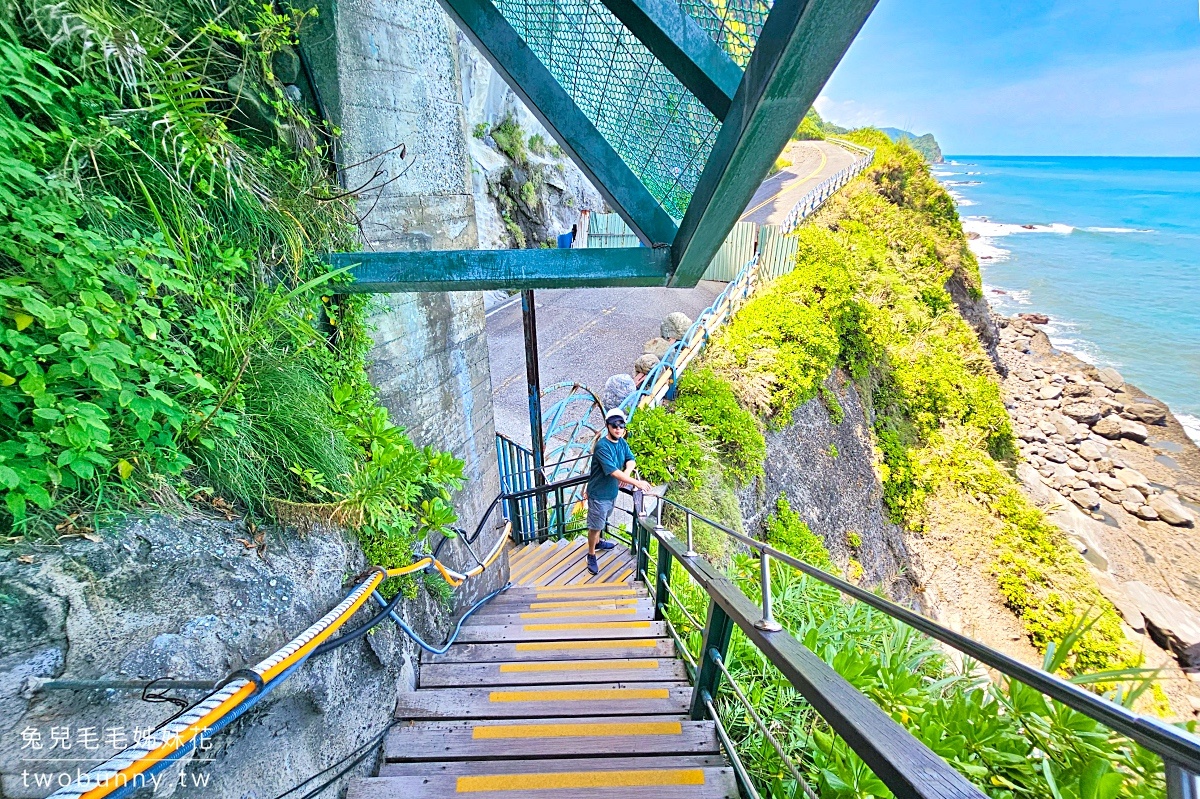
(193, 599)
(978, 315)
(824, 468)
(1172, 624)
(519, 202)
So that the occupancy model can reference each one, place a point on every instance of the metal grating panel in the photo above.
(659, 128)
(733, 24)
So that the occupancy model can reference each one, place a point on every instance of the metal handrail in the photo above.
(762, 727)
(1175, 746)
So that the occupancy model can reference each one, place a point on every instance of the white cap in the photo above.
(614, 413)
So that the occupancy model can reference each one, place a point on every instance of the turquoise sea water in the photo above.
(1109, 248)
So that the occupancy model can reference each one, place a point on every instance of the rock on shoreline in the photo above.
(1113, 468)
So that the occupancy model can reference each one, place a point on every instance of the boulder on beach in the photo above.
(1171, 511)
(1147, 412)
(1086, 498)
(1111, 378)
(1134, 479)
(1083, 412)
(1091, 450)
(1173, 625)
(1050, 391)
(1135, 431)
(1109, 427)
(1034, 318)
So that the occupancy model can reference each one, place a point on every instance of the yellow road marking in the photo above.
(566, 646)
(592, 730)
(578, 665)
(599, 602)
(577, 780)
(553, 614)
(783, 191)
(587, 625)
(579, 695)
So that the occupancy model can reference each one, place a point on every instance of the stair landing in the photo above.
(563, 686)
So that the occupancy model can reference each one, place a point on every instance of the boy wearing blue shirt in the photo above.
(612, 463)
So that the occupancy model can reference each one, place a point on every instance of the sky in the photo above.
(1056, 77)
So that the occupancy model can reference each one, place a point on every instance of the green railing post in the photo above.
(641, 534)
(716, 639)
(662, 580)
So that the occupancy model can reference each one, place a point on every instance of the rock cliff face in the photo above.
(557, 190)
(188, 599)
(824, 468)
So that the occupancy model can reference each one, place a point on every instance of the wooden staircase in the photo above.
(563, 686)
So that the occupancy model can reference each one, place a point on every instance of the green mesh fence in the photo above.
(659, 129)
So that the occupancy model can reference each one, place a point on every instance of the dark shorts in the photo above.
(598, 512)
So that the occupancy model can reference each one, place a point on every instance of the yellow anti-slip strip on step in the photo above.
(589, 730)
(552, 614)
(580, 695)
(578, 665)
(581, 589)
(588, 625)
(577, 780)
(567, 646)
(591, 602)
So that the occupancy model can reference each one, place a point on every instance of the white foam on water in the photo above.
(944, 174)
(987, 228)
(1191, 426)
(1117, 230)
(985, 250)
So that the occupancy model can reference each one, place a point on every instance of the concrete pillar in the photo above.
(387, 73)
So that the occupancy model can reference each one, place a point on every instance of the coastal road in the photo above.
(588, 335)
(812, 162)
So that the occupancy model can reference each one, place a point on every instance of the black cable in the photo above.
(354, 635)
(358, 755)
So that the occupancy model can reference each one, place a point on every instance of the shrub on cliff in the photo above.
(867, 293)
(709, 403)
(165, 319)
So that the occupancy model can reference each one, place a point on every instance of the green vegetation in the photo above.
(669, 449)
(868, 295)
(926, 145)
(788, 532)
(780, 164)
(166, 324)
(1009, 740)
(812, 127)
(709, 403)
(510, 139)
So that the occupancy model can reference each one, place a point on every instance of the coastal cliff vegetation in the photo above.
(868, 297)
(168, 331)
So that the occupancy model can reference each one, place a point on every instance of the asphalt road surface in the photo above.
(812, 162)
(587, 335)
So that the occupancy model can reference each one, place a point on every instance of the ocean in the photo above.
(1108, 248)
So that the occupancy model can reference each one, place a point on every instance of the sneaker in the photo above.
(606, 545)
(593, 567)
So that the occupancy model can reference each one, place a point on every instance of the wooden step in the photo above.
(547, 738)
(557, 606)
(460, 767)
(537, 672)
(489, 652)
(632, 613)
(545, 555)
(546, 701)
(629, 783)
(561, 631)
(590, 590)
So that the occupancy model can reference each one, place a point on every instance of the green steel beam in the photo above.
(475, 270)
(684, 48)
(800, 44)
(555, 109)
